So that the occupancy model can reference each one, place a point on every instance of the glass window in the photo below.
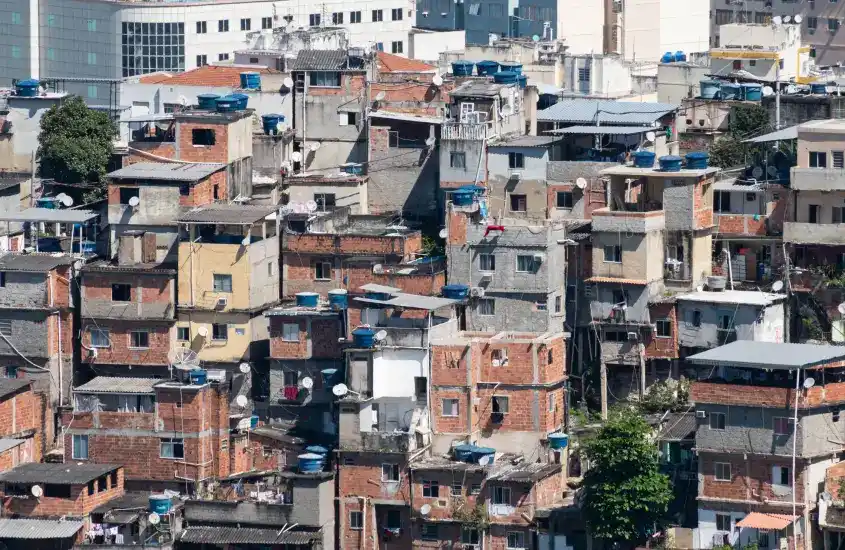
(290, 332)
(99, 338)
(202, 60)
(222, 282)
(664, 328)
(723, 522)
(16, 52)
(396, 14)
(457, 160)
(487, 262)
(390, 472)
(469, 535)
(172, 447)
(717, 421)
(500, 404)
(564, 199)
(337, 18)
(323, 271)
(219, 331)
(314, 19)
(429, 531)
(486, 306)
(430, 489)
(832, 25)
(139, 339)
(202, 27)
(516, 539)
(355, 17)
(783, 425)
(475, 489)
(80, 447)
(12, 371)
(356, 520)
(456, 489)
(722, 471)
(52, 19)
(613, 254)
(450, 407)
(524, 263)
(183, 334)
(16, 18)
(324, 79)
(222, 57)
(325, 201)
(818, 159)
(500, 495)
(51, 54)
(377, 16)
(516, 160)
(246, 24)
(151, 47)
(396, 47)
(223, 25)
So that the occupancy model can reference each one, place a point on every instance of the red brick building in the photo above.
(23, 423)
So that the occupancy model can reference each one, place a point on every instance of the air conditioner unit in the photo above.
(539, 257)
(701, 414)
(515, 175)
(633, 336)
(476, 292)
(222, 301)
(92, 353)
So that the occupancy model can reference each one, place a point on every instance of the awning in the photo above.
(604, 130)
(782, 134)
(767, 522)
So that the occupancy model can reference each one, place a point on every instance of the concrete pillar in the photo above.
(603, 373)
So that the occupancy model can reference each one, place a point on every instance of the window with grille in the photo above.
(139, 339)
(486, 306)
(722, 471)
(838, 159)
(222, 282)
(487, 262)
(450, 407)
(290, 332)
(172, 448)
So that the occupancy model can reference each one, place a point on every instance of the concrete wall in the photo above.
(603, 299)
(530, 183)
(678, 81)
(475, 155)
(642, 255)
(744, 320)
(427, 46)
(18, 147)
(263, 272)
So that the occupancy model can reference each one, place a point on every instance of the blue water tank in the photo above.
(710, 88)
(27, 88)
(479, 453)
(270, 123)
(752, 92)
(242, 99)
(206, 102)
(198, 376)
(226, 104)
(338, 299)
(486, 68)
(558, 440)
(670, 163)
(46, 202)
(317, 450)
(680, 56)
(643, 159)
(363, 337)
(253, 421)
(310, 463)
(354, 168)
(160, 504)
(667, 57)
(818, 89)
(455, 292)
(251, 81)
(523, 81)
(505, 77)
(697, 160)
(509, 67)
(462, 68)
(730, 91)
(307, 299)
(88, 247)
(464, 452)
(463, 196)
(383, 296)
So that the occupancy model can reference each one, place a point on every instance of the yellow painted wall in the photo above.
(197, 269)
(234, 349)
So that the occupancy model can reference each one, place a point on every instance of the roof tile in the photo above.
(389, 63)
(208, 75)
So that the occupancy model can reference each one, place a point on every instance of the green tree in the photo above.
(625, 495)
(75, 142)
(727, 152)
(748, 120)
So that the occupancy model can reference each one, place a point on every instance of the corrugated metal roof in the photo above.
(116, 384)
(524, 472)
(593, 111)
(407, 117)
(35, 262)
(479, 88)
(38, 528)
(7, 443)
(523, 141)
(49, 215)
(677, 427)
(194, 171)
(769, 355)
(101, 309)
(325, 60)
(604, 130)
(745, 297)
(241, 535)
(71, 473)
(412, 301)
(233, 214)
(778, 135)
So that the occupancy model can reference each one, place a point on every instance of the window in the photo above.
(396, 46)
(551, 402)
(516, 539)
(501, 495)
(780, 476)
(324, 79)
(202, 136)
(394, 519)
(266, 22)
(337, 18)
(12, 371)
(121, 292)
(475, 489)
(450, 407)
(814, 213)
(486, 306)
(516, 160)
(127, 193)
(219, 331)
(469, 535)
(832, 25)
(246, 24)
(783, 425)
(396, 14)
(474, 8)
(429, 531)
(222, 57)
(457, 160)
(202, 27)
(354, 16)
(222, 282)
(390, 472)
(723, 522)
(325, 201)
(139, 339)
(92, 58)
(51, 20)
(664, 328)
(518, 203)
(487, 262)
(812, 23)
(348, 119)
(456, 489)
(2, 278)
(16, 18)
(763, 539)
(430, 489)
(613, 254)
(172, 447)
(564, 199)
(620, 297)
(56, 491)
(818, 159)
(223, 25)
(356, 520)
(500, 404)
(80, 447)
(737, 65)
(290, 332)
(323, 271)
(499, 357)
(202, 60)
(51, 54)
(314, 19)
(524, 263)
(717, 421)
(696, 318)
(558, 304)
(183, 334)
(377, 16)
(99, 338)
(722, 471)
(16, 52)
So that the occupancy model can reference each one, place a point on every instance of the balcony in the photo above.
(612, 221)
(814, 233)
(467, 131)
(818, 179)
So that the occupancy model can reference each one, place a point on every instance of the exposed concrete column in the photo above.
(641, 356)
(603, 374)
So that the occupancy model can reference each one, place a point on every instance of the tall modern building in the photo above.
(105, 39)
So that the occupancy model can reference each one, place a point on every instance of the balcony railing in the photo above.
(469, 131)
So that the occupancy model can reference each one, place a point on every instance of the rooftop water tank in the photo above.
(310, 463)
(716, 283)
(226, 104)
(270, 123)
(27, 88)
(464, 452)
(307, 299)
(523, 81)
(486, 68)
(243, 99)
(455, 292)
(680, 56)
(710, 88)
(317, 450)
(479, 454)
(818, 89)
(510, 67)
(697, 160)
(752, 92)
(251, 81)
(338, 299)
(462, 68)
(643, 159)
(463, 196)
(558, 440)
(505, 77)
(198, 376)
(206, 102)
(160, 504)
(667, 57)
(670, 163)
(730, 91)
(363, 337)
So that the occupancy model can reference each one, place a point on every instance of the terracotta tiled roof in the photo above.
(209, 75)
(769, 522)
(389, 63)
(155, 78)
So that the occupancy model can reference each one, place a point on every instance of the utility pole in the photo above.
(777, 94)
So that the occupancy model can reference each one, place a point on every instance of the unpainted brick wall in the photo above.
(22, 412)
(751, 478)
(80, 502)
(659, 347)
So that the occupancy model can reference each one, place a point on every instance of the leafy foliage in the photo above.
(665, 394)
(748, 120)
(727, 152)
(625, 495)
(745, 121)
(75, 142)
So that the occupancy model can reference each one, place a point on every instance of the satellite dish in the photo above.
(380, 96)
(841, 308)
(425, 509)
(244, 368)
(798, 18)
(184, 358)
(486, 460)
(757, 172)
(311, 206)
(430, 141)
(183, 101)
(340, 390)
(443, 233)
(380, 335)
(777, 20)
(37, 491)
(787, 18)
(288, 82)
(437, 80)
(203, 331)
(649, 136)
(699, 288)
(809, 383)
(535, 38)
(241, 401)
(314, 146)
(581, 183)
(245, 241)
(768, 90)
(65, 199)
(296, 156)
(134, 201)
(777, 286)
(154, 518)
(307, 383)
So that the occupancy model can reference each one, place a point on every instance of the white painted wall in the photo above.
(428, 45)
(584, 33)
(653, 27)
(394, 372)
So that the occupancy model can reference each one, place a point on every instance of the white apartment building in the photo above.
(761, 50)
(106, 39)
